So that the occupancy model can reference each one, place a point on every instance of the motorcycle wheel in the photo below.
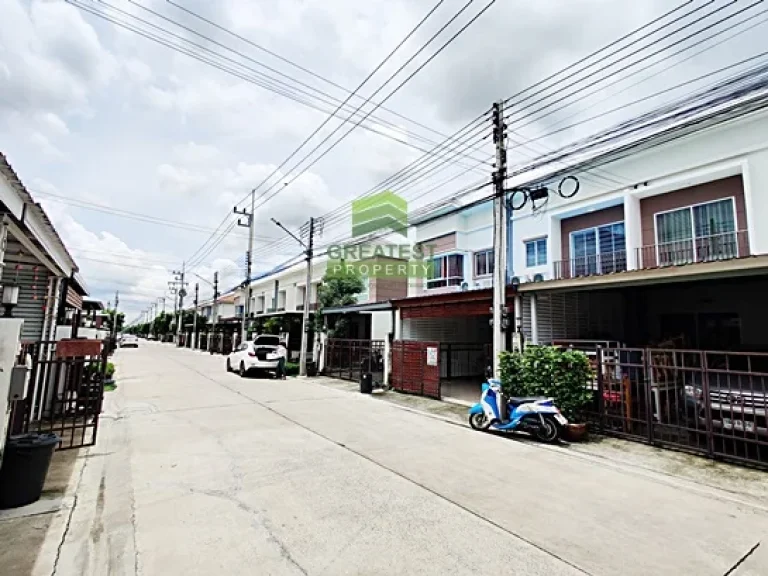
(479, 422)
(548, 432)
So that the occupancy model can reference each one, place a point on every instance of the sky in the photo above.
(96, 119)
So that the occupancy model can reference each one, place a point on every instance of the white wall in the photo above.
(289, 280)
(381, 324)
(737, 147)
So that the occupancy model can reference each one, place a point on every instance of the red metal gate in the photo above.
(416, 367)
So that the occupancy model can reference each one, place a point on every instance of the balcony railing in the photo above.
(312, 306)
(718, 247)
(593, 265)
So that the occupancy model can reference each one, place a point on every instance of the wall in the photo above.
(725, 188)
(589, 220)
(381, 324)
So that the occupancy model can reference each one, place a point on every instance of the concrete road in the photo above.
(198, 471)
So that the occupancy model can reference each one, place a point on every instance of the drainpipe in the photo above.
(534, 320)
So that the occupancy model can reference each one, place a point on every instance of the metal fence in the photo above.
(348, 359)
(65, 393)
(708, 402)
(464, 360)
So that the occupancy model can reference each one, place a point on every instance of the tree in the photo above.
(162, 324)
(111, 318)
(338, 289)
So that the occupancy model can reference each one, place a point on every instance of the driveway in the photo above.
(201, 472)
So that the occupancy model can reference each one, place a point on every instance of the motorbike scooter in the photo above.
(537, 416)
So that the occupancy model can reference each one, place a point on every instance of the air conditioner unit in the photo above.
(480, 284)
(538, 277)
(516, 281)
(464, 286)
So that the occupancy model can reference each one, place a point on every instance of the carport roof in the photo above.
(369, 307)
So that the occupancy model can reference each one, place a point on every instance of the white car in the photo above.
(261, 354)
(129, 341)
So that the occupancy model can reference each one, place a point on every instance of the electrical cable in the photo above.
(266, 196)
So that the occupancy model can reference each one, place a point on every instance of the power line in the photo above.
(266, 81)
(148, 218)
(263, 200)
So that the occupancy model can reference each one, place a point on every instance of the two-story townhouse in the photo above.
(662, 243)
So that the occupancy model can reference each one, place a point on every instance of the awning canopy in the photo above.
(450, 304)
(355, 308)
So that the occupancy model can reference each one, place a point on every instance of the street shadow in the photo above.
(23, 531)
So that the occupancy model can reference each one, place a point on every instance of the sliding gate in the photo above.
(348, 358)
(416, 367)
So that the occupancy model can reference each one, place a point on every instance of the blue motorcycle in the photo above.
(537, 416)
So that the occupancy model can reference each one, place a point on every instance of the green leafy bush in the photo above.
(110, 372)
(291, 369)
(549, 371)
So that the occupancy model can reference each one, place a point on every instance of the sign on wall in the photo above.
(431, 356)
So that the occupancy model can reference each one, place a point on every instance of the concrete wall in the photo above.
(381, 324)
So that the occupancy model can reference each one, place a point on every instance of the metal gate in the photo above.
(416, 367)
(709, 402)
(348, 358)
(66, 390)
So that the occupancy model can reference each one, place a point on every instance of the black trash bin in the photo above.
(25, 465)
(366, 383)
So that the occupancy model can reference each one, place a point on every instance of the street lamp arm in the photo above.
(291, 234)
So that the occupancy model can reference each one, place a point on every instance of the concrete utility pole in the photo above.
(215, 309)
(248, 262)
(312, 225)
(182, 293)
(114, 315)
(194, 318)
(500, 219)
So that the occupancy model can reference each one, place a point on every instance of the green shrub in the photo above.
(110, 372)
(549, 371)
(291, 369)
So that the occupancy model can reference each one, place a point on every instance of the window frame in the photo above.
(535, 242)
(690, 208)
(598, 253)
(448, 280)
(488, 262)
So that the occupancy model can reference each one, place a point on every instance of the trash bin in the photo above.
(366, 383)
(25, 465)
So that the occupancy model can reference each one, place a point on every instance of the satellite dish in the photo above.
(515, 281)
(464, 286)
(538, 277)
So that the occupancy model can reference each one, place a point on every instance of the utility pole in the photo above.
(248, 262)
(194, 318)
(500, 218)
(114, 314)
(178, 287)
(313, 225)
(215, 310)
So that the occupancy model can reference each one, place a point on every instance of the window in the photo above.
(484, 263)
(365, 293)
(536, 252)
(239, 310)
(599, 250)
(698, 233)
(446, 271)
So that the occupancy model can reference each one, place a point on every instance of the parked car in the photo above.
(259, 355)
(129, 341)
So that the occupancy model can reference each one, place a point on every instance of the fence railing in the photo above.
(348, 358)
(725, 246)
(709, 402)
(463, 360)
(592, 265)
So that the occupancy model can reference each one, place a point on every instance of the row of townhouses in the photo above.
(662, 243)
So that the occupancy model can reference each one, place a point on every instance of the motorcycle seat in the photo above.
(517, 400)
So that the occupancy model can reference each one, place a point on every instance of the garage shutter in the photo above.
(470, 329)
